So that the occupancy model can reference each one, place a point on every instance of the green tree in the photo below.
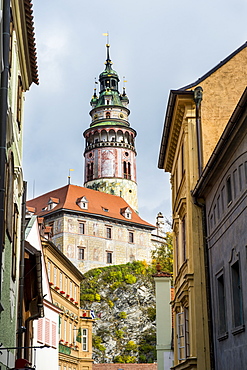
(163, 255)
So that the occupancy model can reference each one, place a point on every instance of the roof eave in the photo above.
(167, 124)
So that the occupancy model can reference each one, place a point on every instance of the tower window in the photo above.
(90, 171)
(127, 170)
(108, 114)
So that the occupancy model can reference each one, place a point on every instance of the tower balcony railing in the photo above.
(101, 144)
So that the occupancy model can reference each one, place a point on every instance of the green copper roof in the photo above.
(115, 98)
(109, 123)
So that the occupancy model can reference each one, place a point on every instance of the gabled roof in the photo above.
(97, 202)
(214, 69)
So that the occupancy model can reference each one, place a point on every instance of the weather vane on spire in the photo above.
(107, 35)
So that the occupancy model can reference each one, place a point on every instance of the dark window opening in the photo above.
(131, 237)
(108, 114)
(229, 190)
(109, 257)
(81, 227)
(90, 171)
(237, 295)
(127, 170)
(221, 305)
(108, 233)
(81, 253)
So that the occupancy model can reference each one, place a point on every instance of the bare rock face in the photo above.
(123, 301)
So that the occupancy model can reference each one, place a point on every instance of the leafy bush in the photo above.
(88, 297)
(119, 334)
(122, 315)
(124, 359)
(131, 346)
(130, 279)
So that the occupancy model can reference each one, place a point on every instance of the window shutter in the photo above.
(47, 331)
(54, 334)
(40, 330)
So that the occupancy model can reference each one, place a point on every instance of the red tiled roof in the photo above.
(97, 202)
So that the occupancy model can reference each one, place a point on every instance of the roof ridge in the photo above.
(214, 69)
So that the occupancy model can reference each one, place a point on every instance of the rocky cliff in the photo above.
(123, 300)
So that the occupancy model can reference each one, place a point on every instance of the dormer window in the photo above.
(126, 212)
(30, 211)
(53, 202)
(82, 202)
(105, 209)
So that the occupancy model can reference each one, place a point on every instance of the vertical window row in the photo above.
(61, 283)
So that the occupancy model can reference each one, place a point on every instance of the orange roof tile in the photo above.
(97, 202)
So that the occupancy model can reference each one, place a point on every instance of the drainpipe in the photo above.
(21, 329)
(202, 205)
(3, 127)
(198, 99)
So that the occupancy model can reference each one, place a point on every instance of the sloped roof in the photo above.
(214, 69)
(31, 40)
(97, 202)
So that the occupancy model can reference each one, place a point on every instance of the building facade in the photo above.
(46, 327)
(75, 324)
(18, 72)
(110, 155)
(94, 229)
(196, 116)
(222, 194)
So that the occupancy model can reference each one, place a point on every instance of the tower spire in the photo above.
(108, 59)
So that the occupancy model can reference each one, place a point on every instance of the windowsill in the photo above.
(239, 329)
(223, 336)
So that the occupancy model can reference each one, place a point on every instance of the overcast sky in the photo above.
(157, 45)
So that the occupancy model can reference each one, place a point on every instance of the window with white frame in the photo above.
(61, 281)
(70, 333)
(84, 339)
(74, 335)
(49, 270)
(183, 334)
(65, 330)
(55, 275)
(66, 284)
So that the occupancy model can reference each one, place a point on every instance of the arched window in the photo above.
(108, 115)
(129, 171)
(125, 170)
(90, 171)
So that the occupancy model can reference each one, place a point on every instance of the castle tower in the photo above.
(110, 155)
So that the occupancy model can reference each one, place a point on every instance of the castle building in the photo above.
(110, 155)
(92, 228)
